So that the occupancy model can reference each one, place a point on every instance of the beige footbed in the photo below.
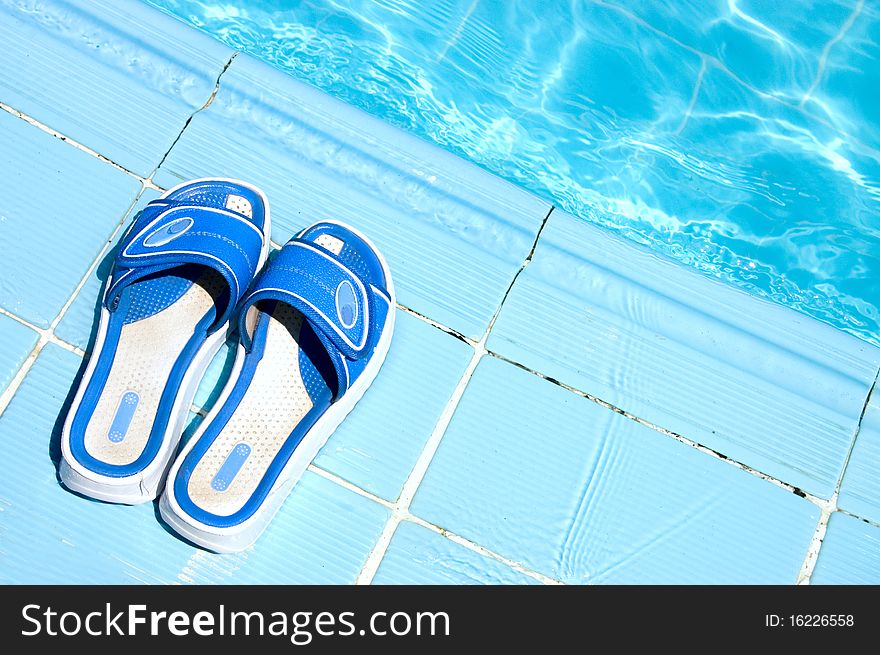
(145, 355)
(239, 204)
(257, 421)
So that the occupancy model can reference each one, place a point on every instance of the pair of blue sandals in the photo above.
(314, 325)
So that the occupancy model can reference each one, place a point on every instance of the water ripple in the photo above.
(739, 138)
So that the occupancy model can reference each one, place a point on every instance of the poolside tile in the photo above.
(420, 556)
(322, 535)
(573, 490)
(760, 383)
(59, 206)
(49, 535)
(16, 343)
(80, 319)
(379, 442)
(850, 553)
(119, 77)
(453, 234)
(860, 489)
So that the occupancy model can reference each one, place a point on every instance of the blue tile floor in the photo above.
(559, 405)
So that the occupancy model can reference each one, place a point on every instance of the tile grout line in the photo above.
(872, 522)
(120, 225)
(52, 338)
(669, 433)
(443, 328)
(21, 373)
(68, 140)
(482, 550)
(411, 518)
(826, 51)
(812, 556)
(204, 106)
(454, 333)
(342, 482)
(149, 183)
(400, 509)
(47, 335)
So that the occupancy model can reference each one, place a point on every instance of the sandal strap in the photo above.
(164, 237)
(328, 293)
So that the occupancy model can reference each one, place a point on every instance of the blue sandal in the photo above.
(187, 259)
(313, 333)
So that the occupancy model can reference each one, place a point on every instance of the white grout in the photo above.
(417, 474)
(407, 516)
(485, 552)
(342, 482)
(812, 556)
(871, 522)
(400, 509)
(18, 378)
(669, 433)
(76, 144)
(97, 260)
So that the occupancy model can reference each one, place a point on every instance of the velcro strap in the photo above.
(185, 234)
(325, 290)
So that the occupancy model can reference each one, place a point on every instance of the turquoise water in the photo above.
(738, 137)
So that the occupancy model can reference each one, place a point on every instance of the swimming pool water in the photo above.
(740, 137)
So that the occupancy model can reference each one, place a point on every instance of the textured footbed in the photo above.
(276, 400)
(239, 204)
(145, 354)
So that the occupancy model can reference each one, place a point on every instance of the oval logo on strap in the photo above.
(346, 304)
(168, 232)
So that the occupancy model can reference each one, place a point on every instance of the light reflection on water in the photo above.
(738, 137)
